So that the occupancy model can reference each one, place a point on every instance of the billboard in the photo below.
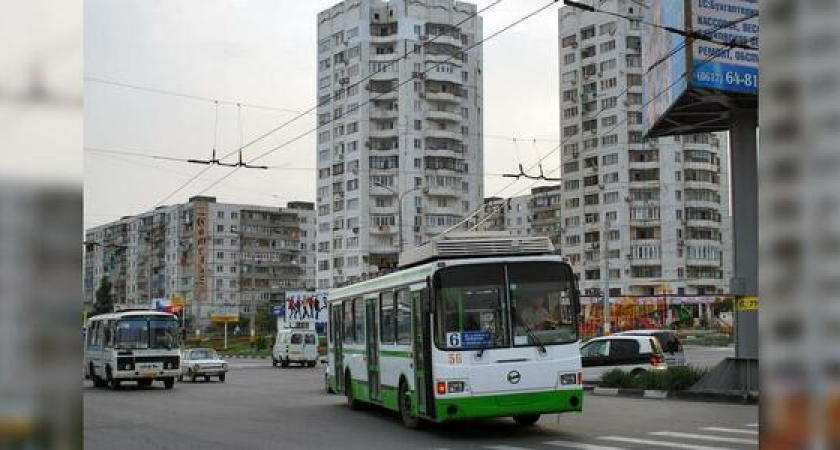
(302, 309)
(715, 66)
(691, 84)
(224, 313)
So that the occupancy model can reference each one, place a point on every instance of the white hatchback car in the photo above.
(634, 354)
(204, 363)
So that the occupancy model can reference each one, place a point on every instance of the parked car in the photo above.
(202, 362)
(634, 354)
(668, 340)
(295, 346)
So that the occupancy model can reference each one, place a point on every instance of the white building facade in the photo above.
(399, 148)
(639, 217)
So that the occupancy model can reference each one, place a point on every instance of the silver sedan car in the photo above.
(202, 363)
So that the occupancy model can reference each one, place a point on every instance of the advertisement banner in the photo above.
(714, 66)
(302, 309)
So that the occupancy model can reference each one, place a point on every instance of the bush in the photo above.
(617, 378)
(674, 378)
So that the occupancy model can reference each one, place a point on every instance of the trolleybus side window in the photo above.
(541, 295)
(470, 311)
(359, 319)
(387, 318)
(403, 317)
(348, 321)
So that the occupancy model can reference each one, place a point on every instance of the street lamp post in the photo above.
(400, 197)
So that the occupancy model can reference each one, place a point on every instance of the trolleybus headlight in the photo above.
(455, 387)
(168, 366)
(568, 378)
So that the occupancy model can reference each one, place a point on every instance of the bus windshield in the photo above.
(471, 306)
(132, 333)
(146, 332)
(541, 295)
(487, 305)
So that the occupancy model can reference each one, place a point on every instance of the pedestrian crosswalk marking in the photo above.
(505, 447)
(668, 444)
(580, 445)
(730, 430)
(706, 437)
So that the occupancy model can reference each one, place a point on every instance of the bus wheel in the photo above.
(526, 419)
(273, 362)
(97, 381)
(146, 382)
(169, 382)
(408, 418)
(113, 383)
(348, 391)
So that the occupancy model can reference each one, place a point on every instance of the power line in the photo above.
(188, 96)
(308, 111)
(468, 48)
(413, 78)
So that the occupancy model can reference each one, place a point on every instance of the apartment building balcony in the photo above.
(384, 114)
(383, 230)
(440, 96)
(698, 165)
(383, 93)
(393, 209)
(453, 209)
(444, 116)
(384, 39)
(709, 204)
(438, 58)
(702, 223)
(702, 262)
(435, 74)
(387, 133)
(444, 191)
(444, 134)
(696, 184)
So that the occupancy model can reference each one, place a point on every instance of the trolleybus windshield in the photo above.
(484, 306)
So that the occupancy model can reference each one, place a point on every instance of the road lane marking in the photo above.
(505, 447)
(706, 437)
(751, 425)
(731, 430)
(580, 445)
(679, 445)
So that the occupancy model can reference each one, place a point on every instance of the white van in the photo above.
(295, 346)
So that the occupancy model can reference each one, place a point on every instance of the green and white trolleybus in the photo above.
(468, 327)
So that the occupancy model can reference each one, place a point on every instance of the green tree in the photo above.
(104, 302)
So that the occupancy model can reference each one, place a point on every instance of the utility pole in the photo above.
(606, 276)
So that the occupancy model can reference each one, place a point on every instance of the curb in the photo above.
(719, 397)
(242, 357)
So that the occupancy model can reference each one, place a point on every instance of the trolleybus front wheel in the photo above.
(408, 418)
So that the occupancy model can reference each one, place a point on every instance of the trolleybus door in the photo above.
(422, 351)
(372, 350)
(336, 330)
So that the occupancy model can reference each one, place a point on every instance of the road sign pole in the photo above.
(225, 344)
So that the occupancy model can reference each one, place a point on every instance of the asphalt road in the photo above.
(263, 407)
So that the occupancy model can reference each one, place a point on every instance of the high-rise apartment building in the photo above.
(534, 214)
(211, 255)
(639, 217)
(399, 148)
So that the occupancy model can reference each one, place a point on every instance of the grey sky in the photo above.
(262, 52)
